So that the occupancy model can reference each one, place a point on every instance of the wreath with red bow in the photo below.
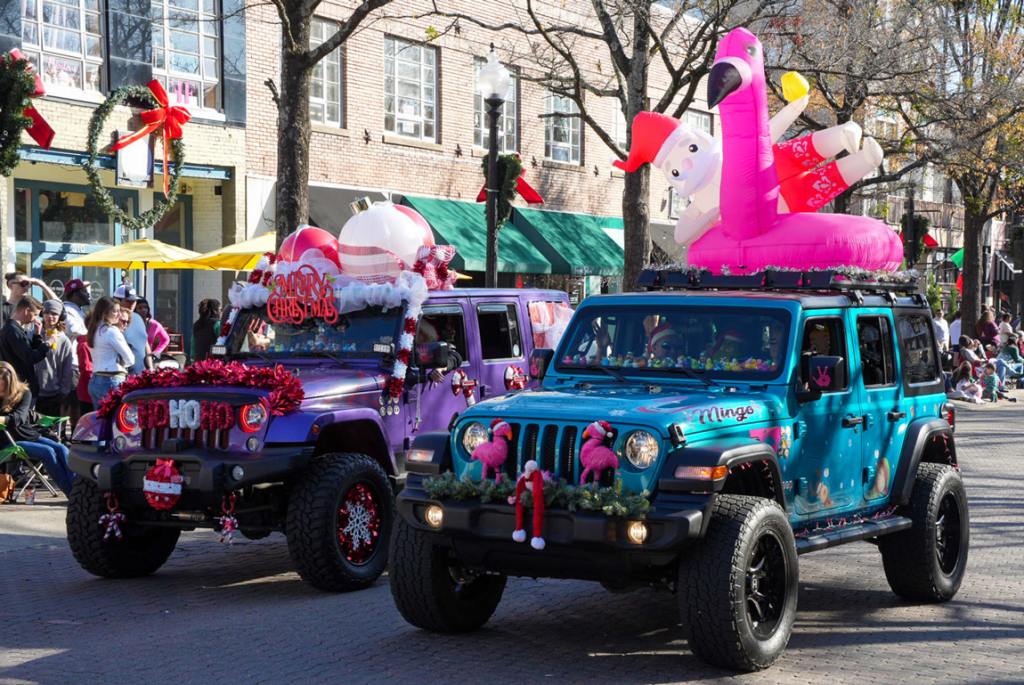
(162, 117)
(286, 396)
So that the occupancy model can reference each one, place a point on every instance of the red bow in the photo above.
(432, 264)
(166, 117)
(525, 190)
(40, 131)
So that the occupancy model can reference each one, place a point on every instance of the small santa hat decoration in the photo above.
(497, 423)
(661, 333)
(654, 135)
(599, 430)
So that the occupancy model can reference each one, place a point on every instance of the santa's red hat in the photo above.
(599, 430)
(496, 423)
(660, 333)
(654, 134)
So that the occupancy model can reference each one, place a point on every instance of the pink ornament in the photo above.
(309, 238)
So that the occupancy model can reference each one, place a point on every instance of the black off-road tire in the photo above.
(719, 584)
(427, 590)
(140, 552)
(926, 563)
(312, 524)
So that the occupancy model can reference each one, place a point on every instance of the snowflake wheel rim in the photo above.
(359, 524)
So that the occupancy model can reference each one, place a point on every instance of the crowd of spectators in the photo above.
(985, 364)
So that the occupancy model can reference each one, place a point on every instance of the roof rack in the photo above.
(831, 280)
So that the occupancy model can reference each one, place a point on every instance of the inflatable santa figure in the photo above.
(530, 480)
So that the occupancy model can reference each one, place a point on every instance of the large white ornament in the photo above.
(395, 228)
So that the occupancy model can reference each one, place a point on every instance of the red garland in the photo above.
(410, 325)
(286, 396)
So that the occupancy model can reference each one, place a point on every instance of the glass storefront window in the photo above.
(168, 284)
(22, 214)
(73, 217)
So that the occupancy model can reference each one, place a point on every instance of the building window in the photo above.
(62, 39)
(508, 124)
(325, 89)
(620, 129)
(700, 121)
(562, 130)
(410, 89)
(186, 51)
(676, 203)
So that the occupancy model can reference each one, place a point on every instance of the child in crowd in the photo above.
(992, 391)
(965, 385)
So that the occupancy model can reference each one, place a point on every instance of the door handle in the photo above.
(895, 415)
(852, 421)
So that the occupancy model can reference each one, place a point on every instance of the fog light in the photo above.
(252, 444)
(637, 532)
(120, 442)
(434, 516)
(95, 471)
(238, 473)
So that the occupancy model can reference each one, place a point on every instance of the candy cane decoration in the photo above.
(227, 521)
(112, 520)
(461, 383)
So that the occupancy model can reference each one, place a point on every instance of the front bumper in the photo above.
(579, 544)
(207, 475)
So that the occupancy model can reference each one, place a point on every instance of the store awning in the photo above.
(575, 244)
(464, 225)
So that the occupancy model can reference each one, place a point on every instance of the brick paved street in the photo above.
(219, 615)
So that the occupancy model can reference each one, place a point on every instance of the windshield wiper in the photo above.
(258, 355)
(690, 373)
(610, 371)
(330, 355)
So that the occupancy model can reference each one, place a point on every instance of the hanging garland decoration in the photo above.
(17, 84)
(510, 168)
(160, 116)
(285, 397)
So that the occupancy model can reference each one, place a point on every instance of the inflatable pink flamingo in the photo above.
(753, 234)
(596, 455)
(493, 453)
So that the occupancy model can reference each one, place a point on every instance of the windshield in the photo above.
(723, 342)
(368, 333)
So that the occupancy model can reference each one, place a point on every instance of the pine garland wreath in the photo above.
(510, 168)
(16, 85)
(142, 96)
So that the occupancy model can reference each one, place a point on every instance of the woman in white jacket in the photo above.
(111, 355)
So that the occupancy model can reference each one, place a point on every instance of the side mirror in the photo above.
(432, 355)
(539, 361)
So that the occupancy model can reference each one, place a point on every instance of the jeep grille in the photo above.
(553, 446)
(153, 439)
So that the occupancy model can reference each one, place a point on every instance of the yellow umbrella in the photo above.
(238, 257)
(138, 254)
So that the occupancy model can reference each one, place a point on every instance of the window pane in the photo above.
(62, 72)
(30, 33)
(22, 216)
(70, 217)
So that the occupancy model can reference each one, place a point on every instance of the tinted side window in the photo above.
(825, 337)
(443, 324)
(877, 355)
(917, 340)
(499, 331)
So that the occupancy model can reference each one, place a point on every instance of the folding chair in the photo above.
(33, 473)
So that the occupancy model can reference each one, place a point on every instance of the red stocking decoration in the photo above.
(532, 480)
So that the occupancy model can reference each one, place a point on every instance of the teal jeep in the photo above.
(734, 422)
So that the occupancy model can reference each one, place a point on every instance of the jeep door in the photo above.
(433, 402)
(827, 450)
(502, 348)
(879, 396)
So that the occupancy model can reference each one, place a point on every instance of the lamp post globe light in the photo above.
(494, 83)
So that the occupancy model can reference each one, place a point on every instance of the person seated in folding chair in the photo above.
(21, 424)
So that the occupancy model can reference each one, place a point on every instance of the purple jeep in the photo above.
(325, 473)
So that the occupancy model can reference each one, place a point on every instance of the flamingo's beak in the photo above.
(724, 79)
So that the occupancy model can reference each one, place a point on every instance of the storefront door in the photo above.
(172, 288)
(55, 222)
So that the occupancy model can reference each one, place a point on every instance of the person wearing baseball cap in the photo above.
(134, 327)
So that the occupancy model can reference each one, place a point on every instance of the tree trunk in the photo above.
(293, 137)
(636, 222)
(970, 304)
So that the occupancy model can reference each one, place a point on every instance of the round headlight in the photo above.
(473, 436)
(641, 449)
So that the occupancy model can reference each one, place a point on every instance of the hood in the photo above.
(331, 381)
(695, 410)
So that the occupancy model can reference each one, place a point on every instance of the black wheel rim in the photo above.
(947, 534)
(766, 584)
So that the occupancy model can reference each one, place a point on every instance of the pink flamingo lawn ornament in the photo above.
(596, 455)
(493, 453)
(753, 234)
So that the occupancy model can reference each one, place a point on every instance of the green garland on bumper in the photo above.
(610, 501)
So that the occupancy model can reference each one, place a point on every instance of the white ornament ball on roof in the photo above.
(396, 228)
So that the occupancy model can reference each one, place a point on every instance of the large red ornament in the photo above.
(162, 485)
(309, 238)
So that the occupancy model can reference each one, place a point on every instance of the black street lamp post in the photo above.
(494, 83)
